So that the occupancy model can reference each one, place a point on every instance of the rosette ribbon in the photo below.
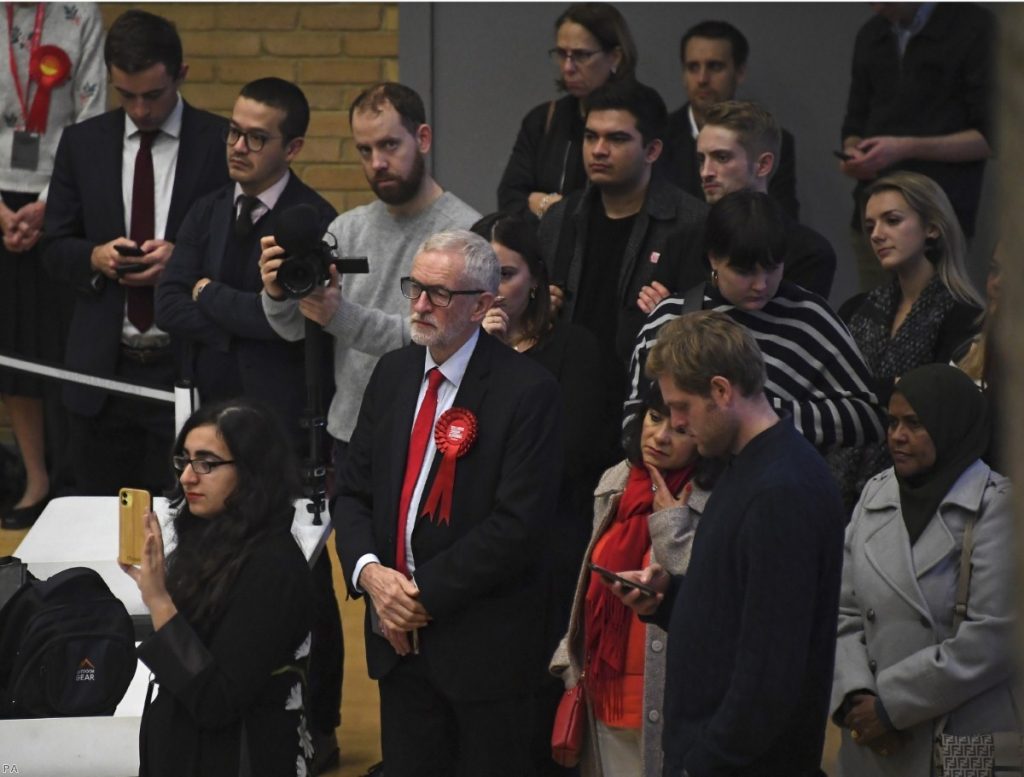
(454, 435)
(49, 67)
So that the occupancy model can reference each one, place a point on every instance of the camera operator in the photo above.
(208, 299)
(370, 317)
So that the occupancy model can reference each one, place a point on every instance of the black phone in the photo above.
(129, 251)
(627, 585)
(842, 155)
(124, 269)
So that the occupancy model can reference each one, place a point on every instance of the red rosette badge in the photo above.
(454, 435)
(49, 67)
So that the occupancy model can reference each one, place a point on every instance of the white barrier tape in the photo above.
(87, 380)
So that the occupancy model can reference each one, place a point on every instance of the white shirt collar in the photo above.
(171, 125)
(271, 194)
(694, 129)
(454, 367)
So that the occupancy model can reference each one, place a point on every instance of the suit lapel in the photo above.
(221, 223)
(935, 543)
(401, 428)
(109, 152)
(188, 170)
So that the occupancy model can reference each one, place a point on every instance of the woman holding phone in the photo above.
(231, 605)
(645, 507)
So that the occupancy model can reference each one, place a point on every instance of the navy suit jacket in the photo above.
(227, 319)
(480, 577)
(85, 208)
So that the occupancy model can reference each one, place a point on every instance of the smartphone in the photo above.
(124, 269)
(133, 504)
(627, 585)
(842, 155)
(129, 250)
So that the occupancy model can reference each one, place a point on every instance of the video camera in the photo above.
(308, 258)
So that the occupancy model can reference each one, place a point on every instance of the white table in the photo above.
(83, 532)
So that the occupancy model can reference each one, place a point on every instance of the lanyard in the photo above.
(37, 34)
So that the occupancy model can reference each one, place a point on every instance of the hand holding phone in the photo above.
(842, 155)
(133, 251)
(133, 504)
(627, 585)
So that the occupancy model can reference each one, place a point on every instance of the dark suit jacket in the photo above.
(479, 576)
(678, 162)
(229, 320)
(85, 208)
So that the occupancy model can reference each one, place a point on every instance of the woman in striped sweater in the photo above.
(815, 371)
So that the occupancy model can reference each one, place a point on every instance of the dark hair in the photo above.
(137, 40)
(210, 553)
(606, 24)
(513, 232)
(285, 96)
(747, 229)
(406, 102)
(706, 471)
(641, 100)
(718, 31)
(756, 129)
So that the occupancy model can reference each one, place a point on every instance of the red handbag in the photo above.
(567, 732)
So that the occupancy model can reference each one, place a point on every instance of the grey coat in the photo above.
(895, 634)
(671, 541)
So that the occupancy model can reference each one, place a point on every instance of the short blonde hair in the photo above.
(698, 346)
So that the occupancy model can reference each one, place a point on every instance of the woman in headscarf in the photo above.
(907, 668)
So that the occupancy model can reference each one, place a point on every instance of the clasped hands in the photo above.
(868, 157)
(396, 599)
(320, 305)
(22, 228)
(866, 728)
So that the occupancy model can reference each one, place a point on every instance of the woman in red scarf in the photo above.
(649, 503)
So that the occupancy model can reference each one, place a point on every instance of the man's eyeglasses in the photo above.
(439, 296)
(254, 141)
(199, 466)
(578, 56)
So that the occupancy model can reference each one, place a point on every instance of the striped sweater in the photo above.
(813, 367)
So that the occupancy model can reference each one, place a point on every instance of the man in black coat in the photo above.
(122, 183)
(209, 298)
(445, 543)
(752, 624)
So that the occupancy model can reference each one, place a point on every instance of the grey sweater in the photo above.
(374, 316)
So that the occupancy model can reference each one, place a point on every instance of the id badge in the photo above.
(25, 151)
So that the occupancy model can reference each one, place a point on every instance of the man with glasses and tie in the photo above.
(122, 183)
(450, 483)
(209, 297)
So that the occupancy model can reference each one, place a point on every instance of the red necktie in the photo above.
(421, 431)
(143, 228)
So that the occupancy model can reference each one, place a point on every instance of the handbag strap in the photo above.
(963, 583)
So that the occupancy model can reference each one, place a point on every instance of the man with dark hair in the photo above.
(368, 317)
(121, 186)
(752, 624)
(920, 100)
(606, 242)
(714, 59)
(209, 297)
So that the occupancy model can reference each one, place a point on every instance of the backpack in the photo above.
(67, 648)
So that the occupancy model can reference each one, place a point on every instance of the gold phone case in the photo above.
(133, 504)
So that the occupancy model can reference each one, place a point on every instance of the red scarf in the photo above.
(607, 620)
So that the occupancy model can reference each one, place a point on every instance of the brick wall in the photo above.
(331, 50)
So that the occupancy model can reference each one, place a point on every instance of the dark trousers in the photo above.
(326, 651)
(425, 733)
(128, 443)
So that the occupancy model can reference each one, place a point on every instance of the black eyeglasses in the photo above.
(439, 296)
(578, 56)
(254, 141)
(199, 466)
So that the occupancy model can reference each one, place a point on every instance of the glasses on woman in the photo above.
(254, 141)
(579, 57)
(439, 296)
(199, 466)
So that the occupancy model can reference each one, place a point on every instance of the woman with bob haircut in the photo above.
(593, 45)
(230, 605)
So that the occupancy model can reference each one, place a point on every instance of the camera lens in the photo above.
(298, 277)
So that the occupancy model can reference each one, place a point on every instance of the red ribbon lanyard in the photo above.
(37, 35)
